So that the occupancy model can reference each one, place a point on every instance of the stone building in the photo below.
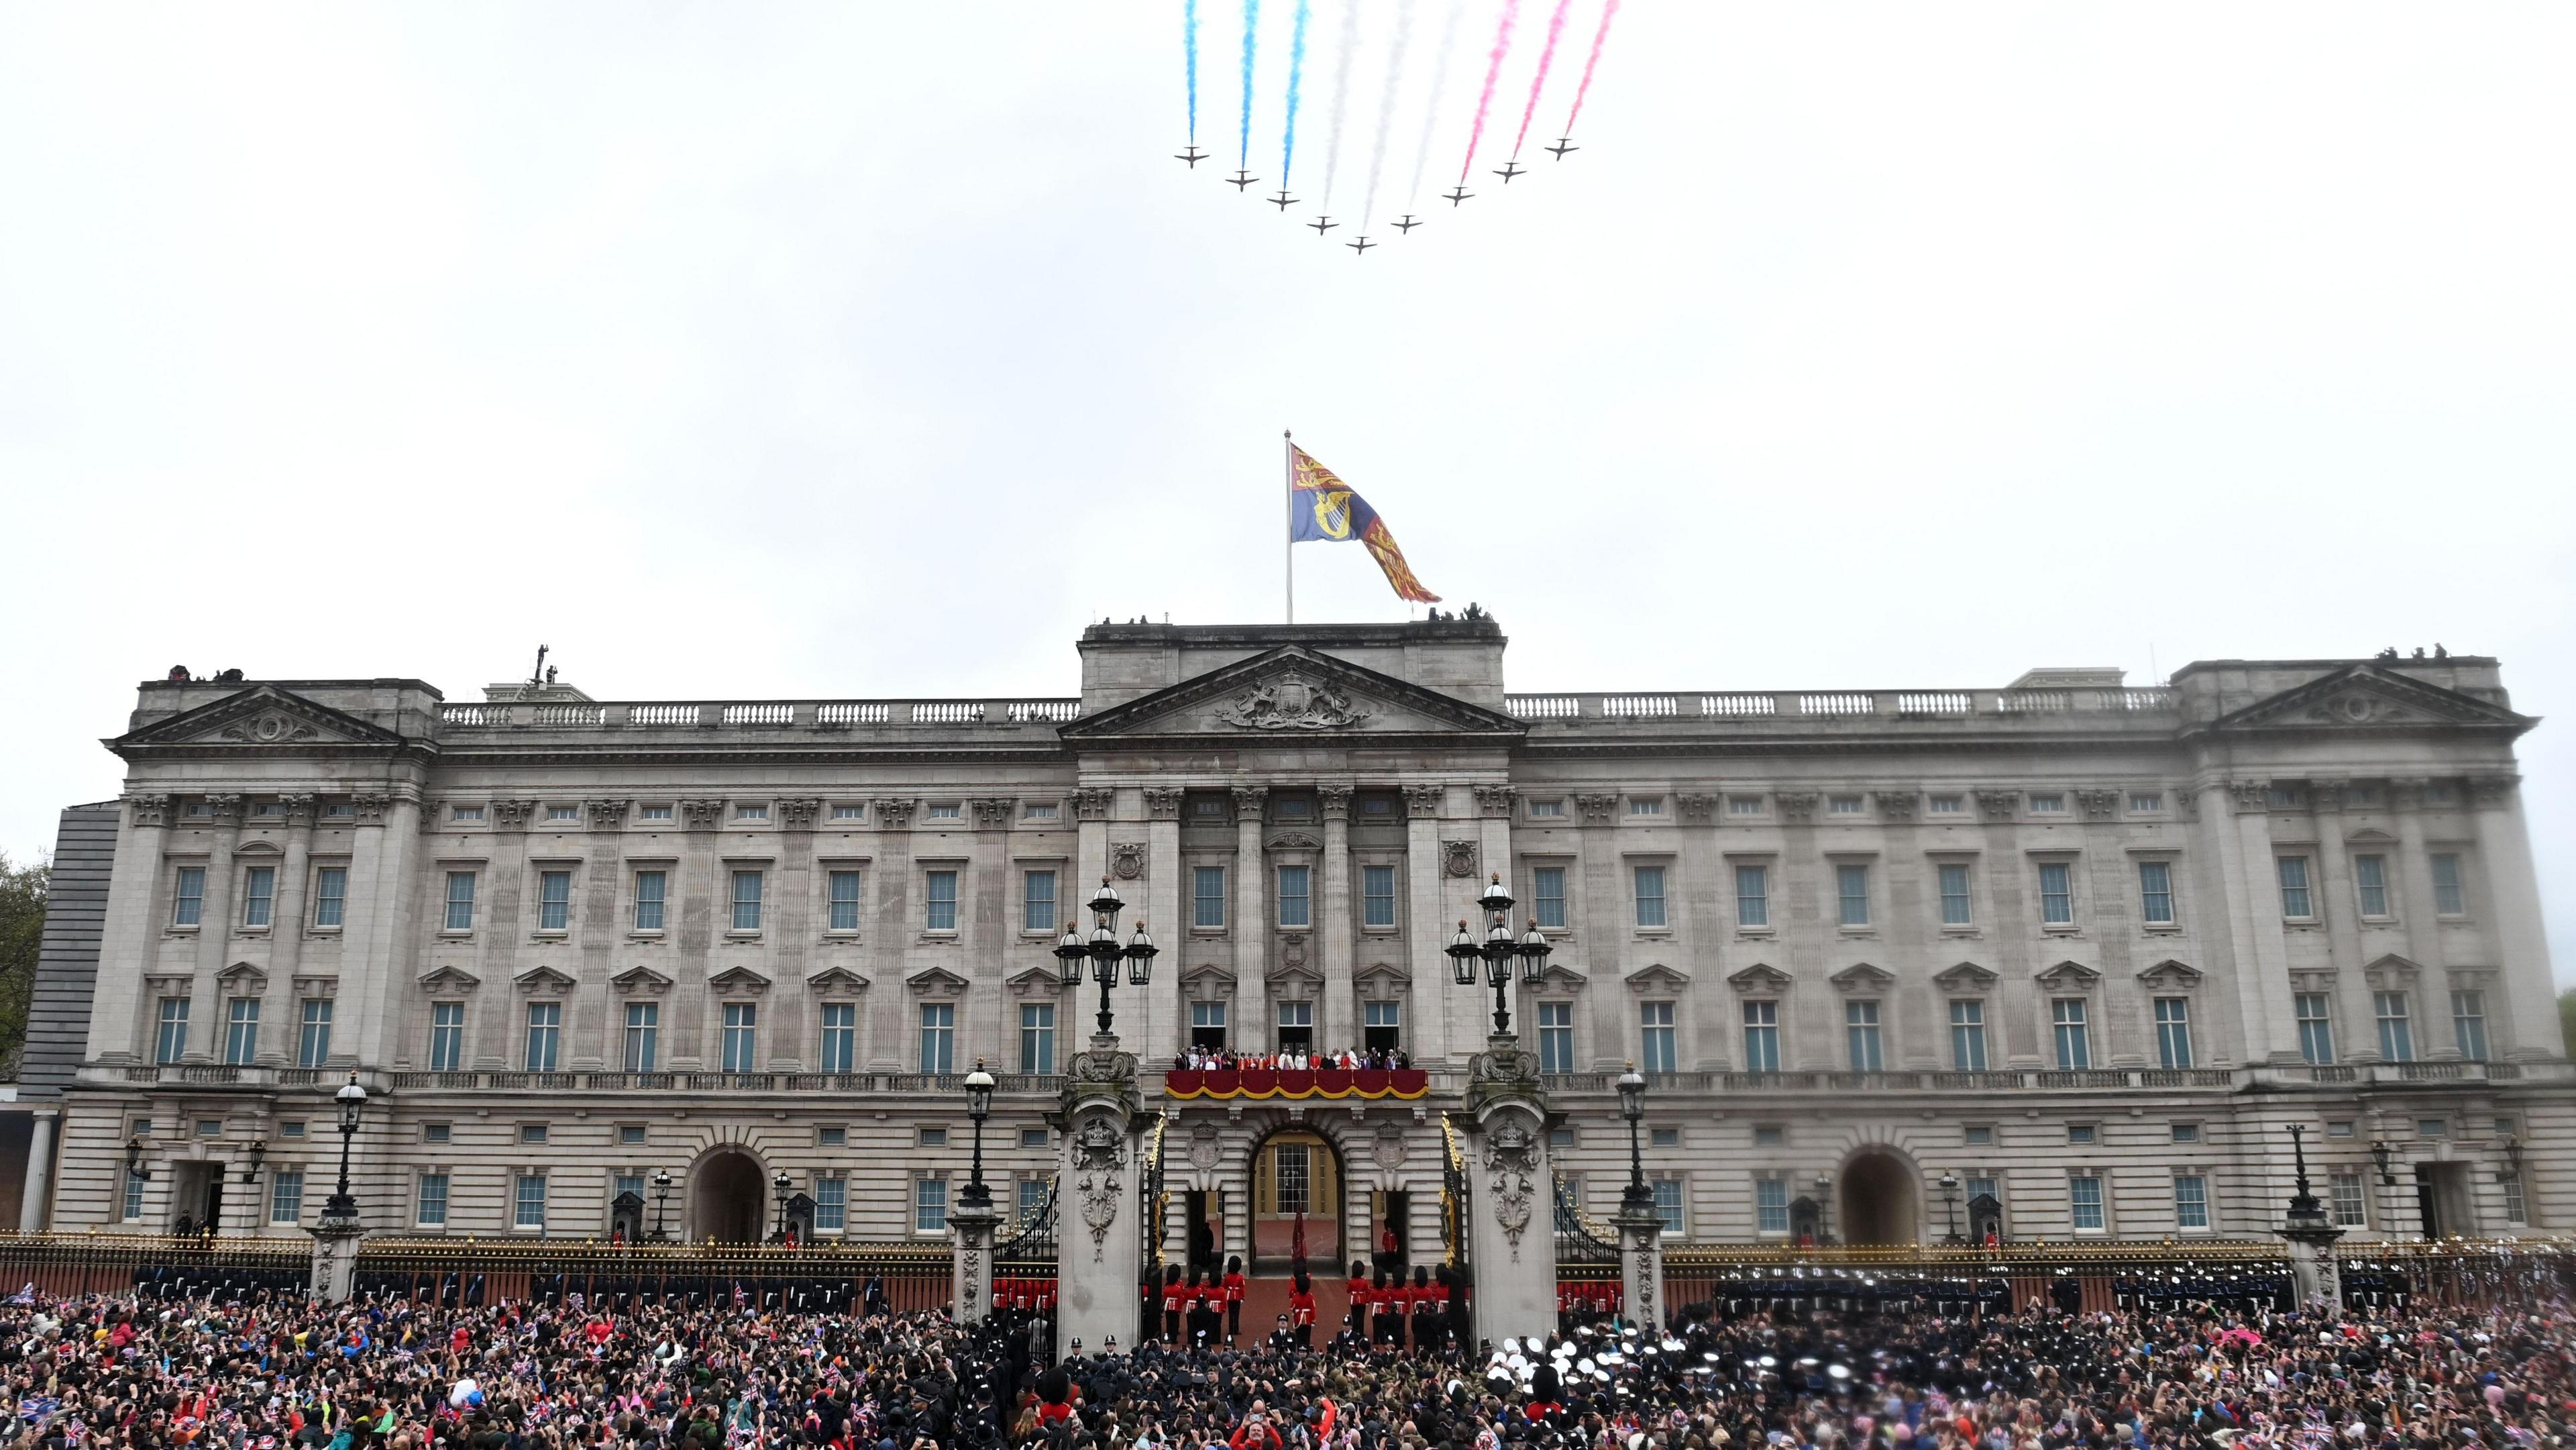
(2063, 959)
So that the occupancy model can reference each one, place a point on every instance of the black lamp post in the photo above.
(2381, 1152)
(258, 1156)
(979, 1106)
(2304, 1207)
(780, 1184)
(1638, 1200)
(661, 1202)
(1497, 952)
(134, 1158)
(1950, 1202)
(351, 1100)
(1103, 951)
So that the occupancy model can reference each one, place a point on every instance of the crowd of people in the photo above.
(1195, 1058)
(277, 1372)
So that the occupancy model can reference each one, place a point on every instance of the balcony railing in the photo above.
(735, 715)
(1838, 704)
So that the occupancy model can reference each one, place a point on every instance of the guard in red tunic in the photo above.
(1173, 1300)
(1359, 1290)
(1234, 1287)
(1301, 1308)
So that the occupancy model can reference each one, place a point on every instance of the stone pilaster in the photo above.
(1512, 1213)
(1099, 1198)
(1249, 924)
(2522, 946)
(975, 1225)
(1337, 1020)
(1641, 1261)
(335, 1259)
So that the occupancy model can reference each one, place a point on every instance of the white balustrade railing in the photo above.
(764, 714)
(851, 712)
(1838, 702)
(1543, 707)
(1639, 707)
(1935, 702)
(2035, 702)
(948, 712)
(1739, 707)
(658, 716)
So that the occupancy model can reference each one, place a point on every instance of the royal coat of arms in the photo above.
(1290, 701)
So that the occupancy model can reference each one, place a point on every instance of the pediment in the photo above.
(740, 979)
(1381, 979)
(2171, 975)
(1759, 977)
(1292, 693)
(257, 847)
(2367, 697)
(1965, 977)
(543, 981)
(242, 974)
(2393, 965)
(1863, 977)
(1035, 982)
(1294, 979)
(2372, 837)
(1656, 977)
(448, 979)
(641, 978)
(835, 979)
(1207, 972)
(259, 717)
(1561, 979)
(936, 982)
(2068, 977)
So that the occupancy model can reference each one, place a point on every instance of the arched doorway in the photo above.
(726, 1200)
(1297, 1181)
(1880, 1201)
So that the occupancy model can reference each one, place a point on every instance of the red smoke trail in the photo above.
(1493, 69)
(1555, 28)
(1609, 9)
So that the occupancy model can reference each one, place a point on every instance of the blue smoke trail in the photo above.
(1251, 29)
(1190, 50)
(1296, 72)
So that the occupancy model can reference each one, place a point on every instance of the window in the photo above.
(648, 900)
(1944, 805)
(622, 1184)
(849, 813)
(2155, 893)
(133, 1206)
(1208, 807)
(1968, 1036)
(930, 1205)
(446, 1036)
(2048, 803)
(1207, 1026)
(630, 1133)
(1547, 896)
(938, 1037)
(1377, 896)
(2370, 884)
(1753, 896)
(751, 813)
(2079, 1133)
(2282, 797)
(840, 1037)
(1655, 1031)
(2145, 802)
(313, 1032)
(1645, 805)
(2432, 1128)
(1296, 1026)
(465, 813)
(563, 813)
(741, 1031)
(1037, 1037)
(429, 1205)
(643, 1035)
(944, 811)
(1842, 805)
(532, 1132)
(831, 1137)
(1551, 808)
(188, 901)
(1295, 1188)
(330, 895)
(1974, 1186)
(2056, 894)
(1744, 805)
(1668, 1204)
(1207, 897)
(460, 901)
(528, 1200)
(2350, 1202)
(2448, 897)
(1038, 811)
(653, 813)
(1556, 1037)
(1979, 1135)
(554, 900)
(210, 1127)
(1771, 1205)
(746, 900)
(286, 1195)
(1560, 1138)
(831, 1204)
(2316, 1029)
(436, 1132)
(1851, 892)
(1037, 901)
(1663, 1137)
(545, 1034)
(939, 901)
(1294, 907)
(171, 1043)
(843, 904)
(2339, 1128)
(1382, 1025)
(1860, 1035)
(1032, 1138)
(2469, 1024)
(1761, 1037)
(1650, 897)
(2186, 1132)
(1769, 1135)
(2173, 1031)
(2515, 1210)
(2396, 1036)
(241, 1030)
(1954, 896)
(2074, 1035)
(2295, 902)
(2191, 1201)
(934, 1138)
(2084, 1193)
(259, 895)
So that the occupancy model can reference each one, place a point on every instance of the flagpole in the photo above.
(1288, 456)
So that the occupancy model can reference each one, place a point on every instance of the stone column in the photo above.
(40, 1171)
(383, 853)
(335, 1258)
(2248, 882)
(215, 925)
(1512, 1210)
(1161, 1021)
(1250, 928)
(1435, 1031)
(1340, 993)
(975, 1225)
(2311, 1235)
(137, 908)
(1641, 1261)
(2529, 1019)
(1099, 1199)
(293, 910)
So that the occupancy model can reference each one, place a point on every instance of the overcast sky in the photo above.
(761, 351)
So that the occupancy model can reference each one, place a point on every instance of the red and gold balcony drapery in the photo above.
(1405, 1083)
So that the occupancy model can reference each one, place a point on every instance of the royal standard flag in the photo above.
(1326, 511)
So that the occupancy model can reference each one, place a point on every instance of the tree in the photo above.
(22, 934)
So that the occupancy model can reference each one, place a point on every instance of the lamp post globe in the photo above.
(1463, 956)
(661, 1199)
(1141, 952)
(979, 1106)
(1638, 1199)
(351, 1103)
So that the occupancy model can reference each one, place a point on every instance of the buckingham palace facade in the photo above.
(2064, 959)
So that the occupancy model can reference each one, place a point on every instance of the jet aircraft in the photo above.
(1242, 179)
(1459, 194)
(1407, 223)
(1323, 224)
(1510, 170)
(1361, 246)
(1283, 200)
(1192, 155)
(1563, 145)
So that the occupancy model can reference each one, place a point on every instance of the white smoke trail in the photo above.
(1386, 106)
(1350, 42)
(1439, 82)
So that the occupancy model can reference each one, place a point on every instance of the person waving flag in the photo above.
(1323, 509)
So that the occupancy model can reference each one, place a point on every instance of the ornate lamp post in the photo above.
(1950, 1202)
(781, 1185)
(1638, 1199)
(2311, 1234)
(1103, 951)
(1498, 951)
(258, 1156)
(351, 1100)
(979, 1106)
(661, 1201)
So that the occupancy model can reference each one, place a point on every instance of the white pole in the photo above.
(1288, 455)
